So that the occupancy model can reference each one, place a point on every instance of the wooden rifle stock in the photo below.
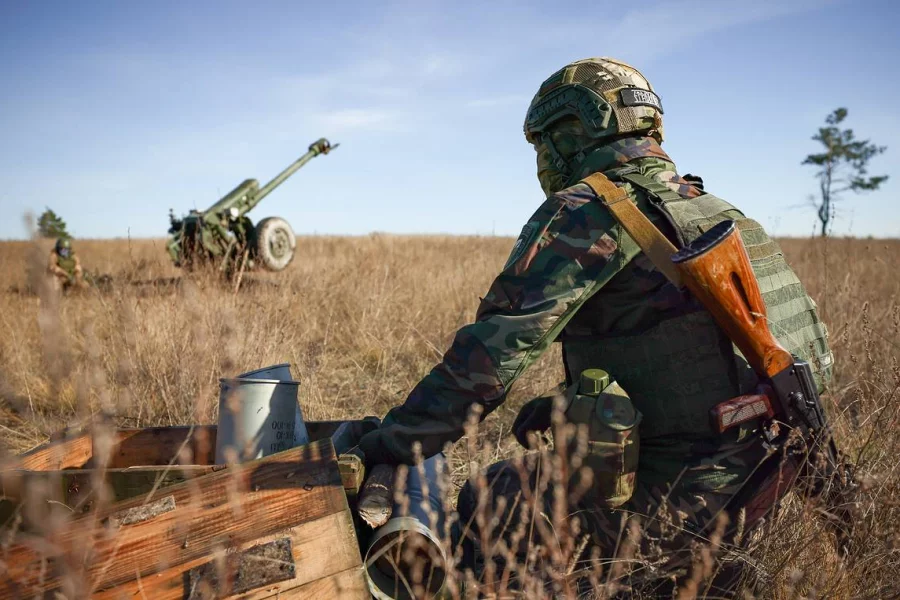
(717, 271)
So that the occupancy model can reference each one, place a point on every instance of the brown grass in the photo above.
(363, 319)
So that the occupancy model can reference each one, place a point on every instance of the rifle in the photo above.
(716, 269)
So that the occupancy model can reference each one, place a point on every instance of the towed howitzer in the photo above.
(224, 235)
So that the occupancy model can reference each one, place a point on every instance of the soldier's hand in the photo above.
(346, 437)
(534, 416)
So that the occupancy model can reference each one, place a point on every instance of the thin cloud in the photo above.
(660, 34)
(443, 65)
(358, 119)
(660, 28)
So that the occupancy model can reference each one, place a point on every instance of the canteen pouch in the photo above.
(599, 403)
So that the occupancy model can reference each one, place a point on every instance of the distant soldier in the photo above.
(64, 265)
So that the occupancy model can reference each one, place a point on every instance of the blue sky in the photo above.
(113, 112)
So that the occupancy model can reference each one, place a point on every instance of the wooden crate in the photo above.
(280, 526)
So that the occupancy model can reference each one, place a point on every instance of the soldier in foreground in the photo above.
(575, 276)
(64, 266)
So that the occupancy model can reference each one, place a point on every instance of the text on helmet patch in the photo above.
(639, 97)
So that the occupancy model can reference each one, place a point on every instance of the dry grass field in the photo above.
(363, 319)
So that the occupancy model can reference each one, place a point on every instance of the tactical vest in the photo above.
(677, 363)
(67, 264)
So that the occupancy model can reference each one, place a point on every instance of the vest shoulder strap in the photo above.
(691, 216)
(656, 190)
(651, 240)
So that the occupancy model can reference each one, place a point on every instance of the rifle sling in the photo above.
(648, 237)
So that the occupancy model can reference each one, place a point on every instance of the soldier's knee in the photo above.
(500, 480)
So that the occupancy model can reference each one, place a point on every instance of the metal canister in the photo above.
(257, 418)
(407, 551)
(281, 372)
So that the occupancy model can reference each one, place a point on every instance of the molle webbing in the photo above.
(674, 372)
(792, 314)
(653, 188)
(681, 363)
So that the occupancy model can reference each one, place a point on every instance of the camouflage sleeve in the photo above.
(568, 250)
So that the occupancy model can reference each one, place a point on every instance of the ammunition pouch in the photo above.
(604, 410)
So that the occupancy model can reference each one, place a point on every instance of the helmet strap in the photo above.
(561, 164)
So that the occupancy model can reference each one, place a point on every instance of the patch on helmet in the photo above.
(522, 242)
(639, 97)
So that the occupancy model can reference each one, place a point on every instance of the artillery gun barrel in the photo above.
(215, 231)
(320, 146)
(239, 197)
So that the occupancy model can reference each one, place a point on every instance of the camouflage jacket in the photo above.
(68, 264)
(569, 249)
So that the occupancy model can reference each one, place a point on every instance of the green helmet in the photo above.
(63, 247)
(607, 96)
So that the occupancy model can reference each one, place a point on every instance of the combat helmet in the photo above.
(608, 97)
(64, 247)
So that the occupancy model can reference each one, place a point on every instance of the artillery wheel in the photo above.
(275, 243)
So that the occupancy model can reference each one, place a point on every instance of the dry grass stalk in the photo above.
(362, 319)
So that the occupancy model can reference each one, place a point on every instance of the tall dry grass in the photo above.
(363, 319)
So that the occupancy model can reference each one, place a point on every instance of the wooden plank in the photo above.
(67, 451)
(226, 508)
(155, 446)
(346, 585)
(160, 445)
(75, 487)
(320, 548)
(70, 449)
(71, 452)
(353, 473)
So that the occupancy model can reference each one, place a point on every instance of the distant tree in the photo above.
(51, 225)
(842, 166)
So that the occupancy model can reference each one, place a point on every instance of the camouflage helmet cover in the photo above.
(609, 97)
